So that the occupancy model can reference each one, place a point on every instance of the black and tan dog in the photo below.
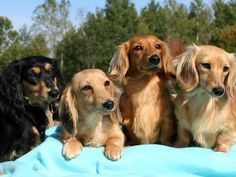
(29, 93)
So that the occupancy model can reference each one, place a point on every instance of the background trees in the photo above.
(93, 43)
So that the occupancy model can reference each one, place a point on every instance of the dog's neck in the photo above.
(89, 121)
(46, 109)
(200, 94)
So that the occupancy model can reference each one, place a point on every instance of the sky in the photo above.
(20, 12)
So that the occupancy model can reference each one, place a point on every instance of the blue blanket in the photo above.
(138, 161)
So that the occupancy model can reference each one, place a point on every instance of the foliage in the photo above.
(24, 45)
(52, 20)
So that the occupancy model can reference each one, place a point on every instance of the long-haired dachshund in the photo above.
(143, 65)
(29, 93)
(206, 108)
(89, 115)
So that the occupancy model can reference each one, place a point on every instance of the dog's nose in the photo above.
(109, 105)
(154, 59)
(218, 91)
(53, 93)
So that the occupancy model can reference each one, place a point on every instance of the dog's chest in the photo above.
(93, 135)
(206, 126)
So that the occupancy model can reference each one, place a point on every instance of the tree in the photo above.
(94, 43)
(51, 19)
(224, 13)
(177, 23)
(154, 16)
(7, 34)
(200, 14)
(24, 45)
(225, 21)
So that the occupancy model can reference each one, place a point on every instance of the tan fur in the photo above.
(146, 106)
(85, 121)
(209, 118)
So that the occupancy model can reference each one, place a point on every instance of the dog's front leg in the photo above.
(72, 148)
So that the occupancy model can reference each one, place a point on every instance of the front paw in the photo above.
(222, 148)
(72, 148)
(113, 152)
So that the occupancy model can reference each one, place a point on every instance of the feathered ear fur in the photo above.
(231, 80)
(68, 113)
(119, 64)
(59, 75)
(186, 72)
(12, 106)
(60, 84)
(167, 60)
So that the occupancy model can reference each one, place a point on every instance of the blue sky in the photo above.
(20, 11)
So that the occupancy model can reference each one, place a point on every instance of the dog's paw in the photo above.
(72, 148)
(222, 148)
(113, 152)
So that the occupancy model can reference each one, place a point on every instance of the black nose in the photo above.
(53, 93)
(108, 105)
(218, 91)
(154, 59)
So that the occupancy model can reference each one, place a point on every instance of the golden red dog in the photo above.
(142, 65)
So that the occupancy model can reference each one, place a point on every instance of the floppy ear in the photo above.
(60, 84)
(116, 114)
(231, 80)
(59, 75)
(68, 113)
(11, 93)
(119, 64)
(186, 72)
(167, 60)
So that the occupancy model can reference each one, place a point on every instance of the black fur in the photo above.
(17, 115)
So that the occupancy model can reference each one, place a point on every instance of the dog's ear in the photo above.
(119, 64)
(59, 75)
(68, 113)
(60, 84)
(186, 72)
(167, 60)
(231, 80)
(116, 114)
(11, 93)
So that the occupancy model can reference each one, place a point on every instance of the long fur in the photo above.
(22, 125)
(205, 115)
(86, 120)
(145, 104)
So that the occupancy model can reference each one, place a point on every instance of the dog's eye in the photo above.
(87, 87)
(107, 83)
(206, 65)
(158, 46)
(33, 74)
(138, 47)
(226, 68)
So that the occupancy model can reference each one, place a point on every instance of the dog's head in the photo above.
(90, 91)
(41, 81)
(36, 79)
(208, 67)
(141, 54)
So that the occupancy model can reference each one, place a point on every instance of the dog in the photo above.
(88, 111)
(30, 90)
(142, 66)
(206, 106)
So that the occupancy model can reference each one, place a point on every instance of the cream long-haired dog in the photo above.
(206, 108)
(89, 115)
(142, 65)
